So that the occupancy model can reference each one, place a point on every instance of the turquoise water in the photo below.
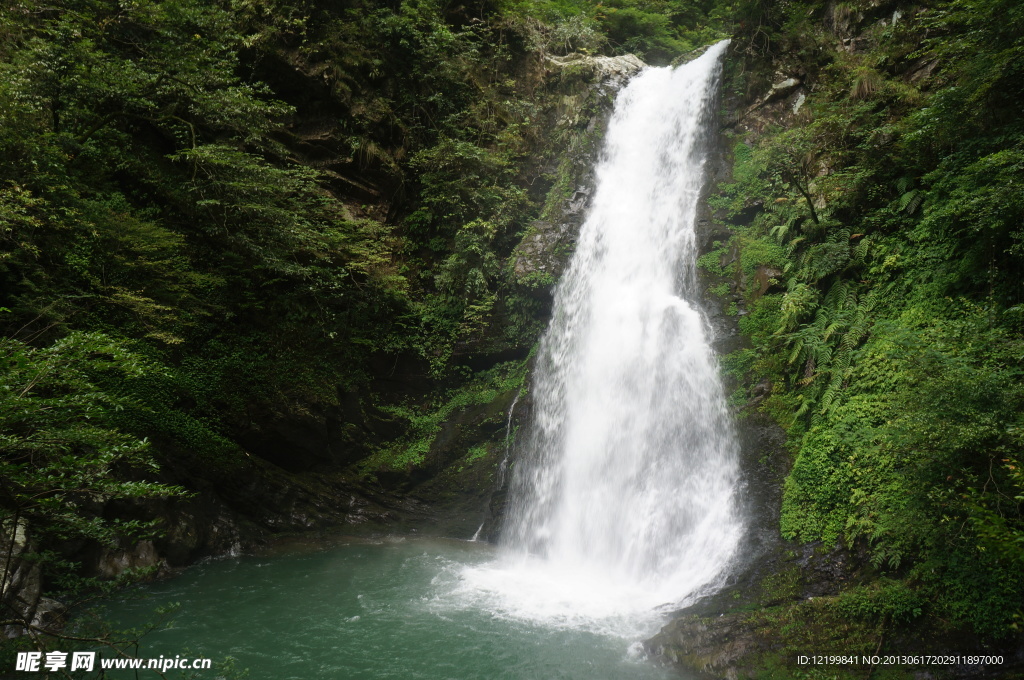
(370, 608)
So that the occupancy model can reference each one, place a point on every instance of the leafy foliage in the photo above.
(212, 211)
(893, 339)
(425, 424)
(63, 460)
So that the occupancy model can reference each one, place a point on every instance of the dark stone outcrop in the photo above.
(721, 635)
(580, 116)
(21, 578)
(539, 258)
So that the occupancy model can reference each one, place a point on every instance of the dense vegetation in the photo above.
(213, 212)
(884, 293)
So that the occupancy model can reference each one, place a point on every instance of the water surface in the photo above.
(387, 608)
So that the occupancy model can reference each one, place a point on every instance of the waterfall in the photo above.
(623, 490)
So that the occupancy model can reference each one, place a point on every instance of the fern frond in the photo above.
(910, 201)
(798, 347)
(860, 251)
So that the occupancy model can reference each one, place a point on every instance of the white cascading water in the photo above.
(623, 493)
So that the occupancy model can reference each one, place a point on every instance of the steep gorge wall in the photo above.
(304, 468)
(827, 151)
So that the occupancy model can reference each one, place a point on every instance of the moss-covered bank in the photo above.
(868, 249)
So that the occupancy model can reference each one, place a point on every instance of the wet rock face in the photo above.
(788, 603)
(715, 646)
(604, 71)
(142, 555)
(50, 614)
(546, 247)
(722, 635)
(540, 258)
(587, 87)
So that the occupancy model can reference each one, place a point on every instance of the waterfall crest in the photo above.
(623, 487)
